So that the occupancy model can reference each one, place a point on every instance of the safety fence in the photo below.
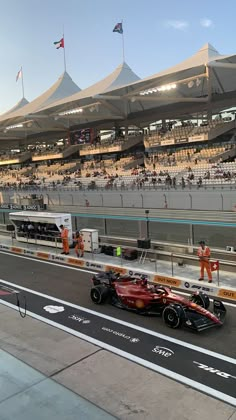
(217, 184)
(171, 281)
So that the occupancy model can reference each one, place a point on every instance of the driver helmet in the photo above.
(143, 280)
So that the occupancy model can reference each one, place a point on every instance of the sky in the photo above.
(157, 35)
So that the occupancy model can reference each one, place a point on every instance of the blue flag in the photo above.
(118, 28)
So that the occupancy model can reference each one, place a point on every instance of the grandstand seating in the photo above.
(126, 169)
(177, 133)
(211, 174)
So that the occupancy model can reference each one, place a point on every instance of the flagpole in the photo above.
(64, 50)
(123, 43)
(22, 82)
(218, 273)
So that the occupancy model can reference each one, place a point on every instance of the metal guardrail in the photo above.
(173, 258)
(153, 255)
(150, 187)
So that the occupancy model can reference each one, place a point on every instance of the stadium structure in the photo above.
(170, 133)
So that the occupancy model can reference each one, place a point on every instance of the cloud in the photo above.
(206, 23)
(177, 24)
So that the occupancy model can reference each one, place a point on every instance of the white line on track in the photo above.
(175, 376)
(127, 324)
(233, 305)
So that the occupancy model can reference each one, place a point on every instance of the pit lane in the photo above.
(74, 285)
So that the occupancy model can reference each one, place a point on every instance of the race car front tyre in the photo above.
(200, 299)
(173, 316)
(99, 294)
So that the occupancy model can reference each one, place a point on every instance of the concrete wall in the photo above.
(209, 199)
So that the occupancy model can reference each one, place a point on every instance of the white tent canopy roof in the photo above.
(120, 94)
(202, 57)
(121, 76)
(63, 87)
(19, 105)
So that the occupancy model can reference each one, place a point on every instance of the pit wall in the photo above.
(175, 282)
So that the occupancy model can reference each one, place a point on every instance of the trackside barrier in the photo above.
(178, 283)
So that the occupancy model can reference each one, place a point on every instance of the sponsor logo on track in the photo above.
(225, 293)
(214, 370)
(53, 309)
(5, 247)
(122, 335)
(28, 252)
(17, 250)
(169, 281)
(163, 351)
(137, 274)
(75, 261)
(43, 255)
(93, 265)
(80, 319)
(198, 287)
(116, 269)
(57, 258)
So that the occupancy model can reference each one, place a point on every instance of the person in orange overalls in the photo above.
(204, 254)
(79, 247)
(65, 239)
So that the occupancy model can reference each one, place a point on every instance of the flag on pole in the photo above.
(59, 44)
(118, 28)
(19, 75)
(215, 265)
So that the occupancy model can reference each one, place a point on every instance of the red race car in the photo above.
(136, 294)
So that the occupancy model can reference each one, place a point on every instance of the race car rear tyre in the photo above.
(173, 316)
(201, 299)
(99, 294)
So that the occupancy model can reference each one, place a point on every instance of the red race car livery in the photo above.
(135, 294)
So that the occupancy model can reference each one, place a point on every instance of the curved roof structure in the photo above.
(19, 105)
(123, 75)
(204, 81)
(63, 87)
(202, 57)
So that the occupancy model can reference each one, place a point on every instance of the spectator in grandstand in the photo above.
(65, 239)
(207, 175)
(182, 182)
(189, 183)
(199, 182)
(204, 254)
(168, 181)
(154, 180)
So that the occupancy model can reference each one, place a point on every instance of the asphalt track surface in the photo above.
(73, 286)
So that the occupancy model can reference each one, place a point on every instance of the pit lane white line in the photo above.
(84, 270)
(166, 372)
(127, 324)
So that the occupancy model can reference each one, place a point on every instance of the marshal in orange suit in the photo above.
(65, 239)
(204, 254)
